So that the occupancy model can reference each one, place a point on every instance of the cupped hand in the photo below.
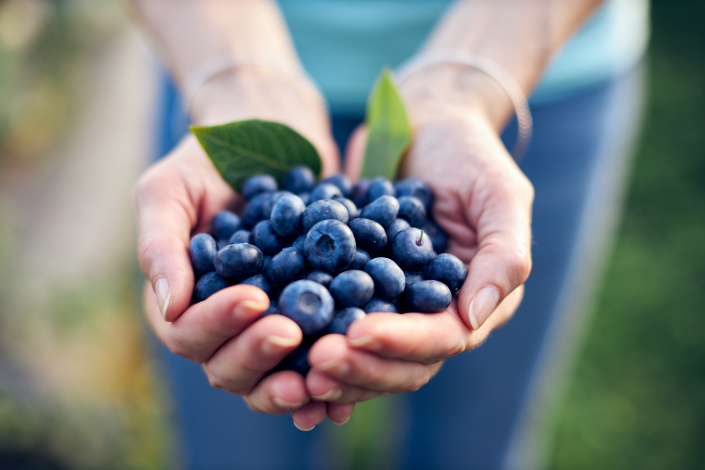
(483, 201)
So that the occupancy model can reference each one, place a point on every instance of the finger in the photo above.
(309, 416)
(354, 152)
(279, 393)
(205, 326)
(241, 362)
(323, 387)
(339, 414)
(503, 260)
(332, 355)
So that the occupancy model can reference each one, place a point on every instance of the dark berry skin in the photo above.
(343, 318)
(379, 187)
(438, 237)
(299, 242)
(309, 304)
(342, 182)
(411, 250)
(299, 179)
(323, 210)
(359, 194)
(286, 215)
(271, 201)
(266, 239)
(427, 296)
(349, 205)
(202, 250)
(258, 184)
(382, 210)
(261, 281)
(395, 227)
(265, 262)
(254, 212)
(321, 277)
(412, 210)
(273, 309)
(379, 305)
(416, 188)
(306, 197)
(330, 246)
(369, 235)
(286, 266)
(224, 224)
(388, 277)
(208, 285)
(297, 360)
(447, 269)
(325, 191)
(222, 244)
(352, 288)
(241, 236)
(361, 259)
(412, 277)
(241, 260)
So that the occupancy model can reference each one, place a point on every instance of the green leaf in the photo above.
(245, 148)
(389, 131)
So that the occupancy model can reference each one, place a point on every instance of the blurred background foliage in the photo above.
(77, 389)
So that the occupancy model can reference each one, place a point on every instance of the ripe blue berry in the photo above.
(330, 246)
(309, 304)
(447, 269)
(379, 305)
(382, 210)
(412, 250)
(416, 188)
(258, 184)
(202, 250)
(395, 227)
(388, 277)
(439, 239)
(352, 288)
(361, 259)
(411, 277)
(224, 224)
(379, 187)
(412, 210)
(323, 210)
(343, 318)
(261, 281)
(241, 260)
(325, 191)
(299, 179)
(241, 236)
(286, 215)
(342, 182)
(286, 266)
(359, 194)
(321, 277)
(369, 235)
(349, 205)
(208, 285)
(427, 296)
(305, 196)
(266, 239)
(254, 212)
(297, 360)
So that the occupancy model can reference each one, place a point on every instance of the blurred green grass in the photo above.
(637, 398)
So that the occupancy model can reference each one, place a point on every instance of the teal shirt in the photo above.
(344, 44)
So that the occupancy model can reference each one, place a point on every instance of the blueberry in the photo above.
(306, 197)
(359, 194)
(224, 224)
(240, 261)
(208, 285)
(325, 191)
(388, 277)
(286, 215)
(286, 266)
(241, 236)
(395, 227)
(438, 237)
(343, 318)
(271, 201)
(447, 269)
(379, 187)
(379, 305)
(342, 182)
(412, 210)
(411, 277)
(382, 210)
(368, 234)
(349, 205)
(266, 239)
(299, 242)
(330, 246)
(428, 296)
(254, 212)
(265, 262)
(412, 250)
(321, 277)
(297, 360)
(361, 259)
(261, 281)
(273, 309)
(222, 244)
(202, 250)
(352, 288)
(323, 210)
(309, 304)
(416, 188)
(299, 179)
(258, 184)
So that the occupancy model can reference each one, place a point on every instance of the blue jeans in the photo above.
(484, 408)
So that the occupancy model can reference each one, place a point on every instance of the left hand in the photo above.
(483, 201)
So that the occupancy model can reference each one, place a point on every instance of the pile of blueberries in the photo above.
(329, 253)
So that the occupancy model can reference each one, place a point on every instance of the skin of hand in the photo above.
(177, 197)
(483, 201)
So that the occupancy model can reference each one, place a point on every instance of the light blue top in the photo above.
(344, 44)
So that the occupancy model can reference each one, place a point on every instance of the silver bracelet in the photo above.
(490, 68)
(218, 65)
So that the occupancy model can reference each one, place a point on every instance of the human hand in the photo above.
(483, 201)
(178, 197)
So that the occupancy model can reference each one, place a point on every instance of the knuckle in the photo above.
(519, 263)
(216, 380)
(177, 346)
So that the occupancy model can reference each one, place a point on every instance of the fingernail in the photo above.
(340, 423)
(273, 345)
(332, 394)
(161, 289)
(249, 308)
(361, 342)
(482, 306)
(301, 428)
(335, 366)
